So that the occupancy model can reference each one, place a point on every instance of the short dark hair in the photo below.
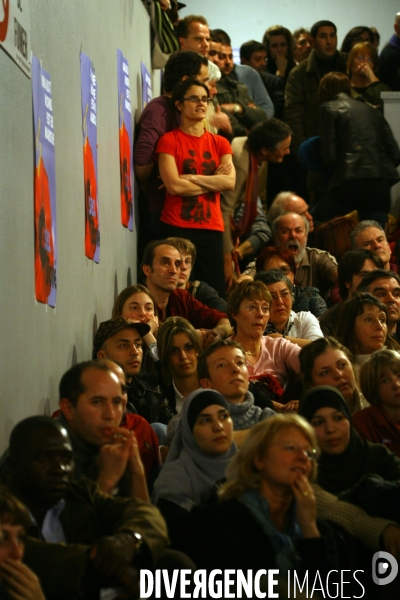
(71, 386)
(268, 135)
(331, 84)
(13, 511)
(318, 24)
(181, 64)
(182, 29)
(220, 36)
(373, 276)
(351, 309)
(312, 351)
(149, 254)
(179, 91)
(126, 294)
(352, 36)
(23, 431)
(351, 264)
(273, 276)
(202, 366)
(248, 48)
(296, 34)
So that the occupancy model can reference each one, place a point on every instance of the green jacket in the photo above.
(301, 98)
(64, 569)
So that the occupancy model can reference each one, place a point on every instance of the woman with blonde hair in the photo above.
(266, 514)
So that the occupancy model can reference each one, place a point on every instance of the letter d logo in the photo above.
(380, 570)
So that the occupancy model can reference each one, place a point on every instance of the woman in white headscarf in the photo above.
(199, 455)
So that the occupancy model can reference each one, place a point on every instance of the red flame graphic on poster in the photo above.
(125, 166)
(44, 248)
(4, 22)
(91, 209)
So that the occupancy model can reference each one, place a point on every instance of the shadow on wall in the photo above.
(129, 277)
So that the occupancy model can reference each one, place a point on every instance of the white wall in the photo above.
(39, 343)
(248, 19)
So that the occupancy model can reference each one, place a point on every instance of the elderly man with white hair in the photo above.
(314, 267)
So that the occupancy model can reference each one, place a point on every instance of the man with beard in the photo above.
(314, 267)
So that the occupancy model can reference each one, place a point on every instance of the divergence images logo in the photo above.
(384, 568)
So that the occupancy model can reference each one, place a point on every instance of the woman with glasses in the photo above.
(248, 311)
(362, 66)
(304, 298)
(266, 516)
(195, 166)
(299, 328)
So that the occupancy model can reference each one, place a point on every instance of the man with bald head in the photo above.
(389, 59)
(289, 202)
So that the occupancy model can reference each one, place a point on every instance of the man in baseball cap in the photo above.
(121, 341)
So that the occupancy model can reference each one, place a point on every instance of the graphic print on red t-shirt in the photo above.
(196, 156)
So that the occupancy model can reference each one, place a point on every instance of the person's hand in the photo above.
(220, 120)
(391, 540)
(135, 464)
(231, 107)
(164, 4)
(281, 63)
(223, 169)
(113, 459)
(306, 507)
(292, 406)
(20, 582)
(208, 336)
(365, 70)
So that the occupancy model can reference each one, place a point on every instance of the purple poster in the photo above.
(125, 141)
(45, 187)
(89, 130)
(147, 94)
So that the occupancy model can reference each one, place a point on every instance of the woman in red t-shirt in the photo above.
(195, 166)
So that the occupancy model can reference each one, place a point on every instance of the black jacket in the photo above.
(356, 141)
(146, 399)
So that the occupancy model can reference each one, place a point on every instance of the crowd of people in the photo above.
(241, 408)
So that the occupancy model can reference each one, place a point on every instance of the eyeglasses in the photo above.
(364, 58)
(283, 295)
(197, 100)
(251, 308)
(286, 270)
(292, 448)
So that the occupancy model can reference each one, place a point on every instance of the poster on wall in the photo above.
(125, 141)
(45, 187)
(147, 93)
(89, 131)
(15, 34)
